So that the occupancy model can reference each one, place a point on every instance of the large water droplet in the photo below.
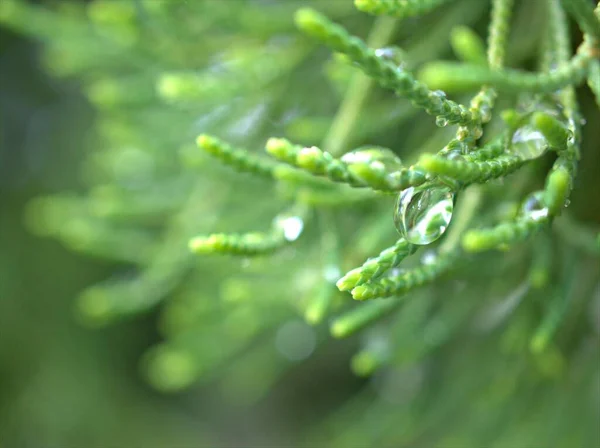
(528, 143)
(533, 206)
(290, 225)
(423, 214)
(373, 154)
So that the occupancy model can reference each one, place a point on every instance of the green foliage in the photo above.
(500, 333)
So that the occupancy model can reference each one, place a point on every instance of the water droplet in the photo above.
(439, 93)
(392, 54)
(485, 112)
(533, 206)
(462, 133)
(455, 154)
(528, 143)
(290, 225)
(369, 154)
(441, 121)
(423, 214)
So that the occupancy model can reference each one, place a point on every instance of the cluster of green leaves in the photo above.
(162, 72)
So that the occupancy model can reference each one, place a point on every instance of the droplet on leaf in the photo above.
(528, 143)
(370, 154)
(533, 206)
(423, 214)
(391, 54)
(290, 225)
(439, 94)
(441, 121)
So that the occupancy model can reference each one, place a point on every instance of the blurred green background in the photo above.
(66, 383)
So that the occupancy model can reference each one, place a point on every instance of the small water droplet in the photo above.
(423, 214)
(485, 112)
(369, 154)
(455, 154)
(567, 203)
(439, 93)
(290, 225)
(392, 54)
(462, 133)
(528, 143)
(441, 121)
(533, 206)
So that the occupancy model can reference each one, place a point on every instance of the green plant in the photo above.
(509, 330)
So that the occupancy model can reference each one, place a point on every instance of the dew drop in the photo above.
(423, 214)
(462, 133)
(369, 154)
(290, 225)
(533, 206)
(392, 54)
(528, 143)
(485, 112)
(455, 154)
(441, 121)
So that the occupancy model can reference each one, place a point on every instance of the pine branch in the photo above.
(375, 267)
(398, 8)
(384, 72)
(405, 282)
(372, 174)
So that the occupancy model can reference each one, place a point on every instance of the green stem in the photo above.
(357, 93)
(467, 208)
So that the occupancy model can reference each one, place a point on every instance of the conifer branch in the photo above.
(406, 281)
(362, 316)
(505, 233)
(237, 244)
(239, 159)
(583, 13)
(368, 174)
(453, 76)
(468, 46)
(375, 267)
(286, 228)
(471, 171)
(357, 92)
(398, 8)
(384, 72)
